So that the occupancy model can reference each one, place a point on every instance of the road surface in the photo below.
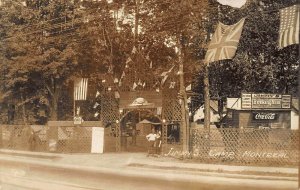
(20, 176)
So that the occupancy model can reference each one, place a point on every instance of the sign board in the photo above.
(265, 101)
(264, 116)
(97, 140)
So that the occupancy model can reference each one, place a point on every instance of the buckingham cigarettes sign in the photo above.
(266, 101)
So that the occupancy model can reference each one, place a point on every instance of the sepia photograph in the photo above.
(149, 95)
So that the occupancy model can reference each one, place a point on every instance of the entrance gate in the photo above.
(136, 87)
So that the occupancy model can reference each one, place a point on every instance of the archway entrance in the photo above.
(135, 125)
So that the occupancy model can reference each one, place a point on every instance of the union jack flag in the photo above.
(289, 26)
(224, 42)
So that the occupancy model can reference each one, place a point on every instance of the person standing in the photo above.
(151, 139)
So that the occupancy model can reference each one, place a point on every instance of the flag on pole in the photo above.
(233, 3)
(289, 26)
(188, 88)
(117, 95)
(134, 86)
(80, 89)
(172, 84)
(165, 75)
(97, 93)
(224, 42)
(134, 50)
(96, 105)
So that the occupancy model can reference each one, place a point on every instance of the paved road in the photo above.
(20, 176)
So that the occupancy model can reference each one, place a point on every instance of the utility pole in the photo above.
(184, 114)
(206, 98)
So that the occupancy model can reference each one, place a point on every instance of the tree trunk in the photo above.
(23, 110)
(54, 107)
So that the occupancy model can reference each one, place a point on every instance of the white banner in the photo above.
(97, 140)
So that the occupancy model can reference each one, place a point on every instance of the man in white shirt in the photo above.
(151, 139)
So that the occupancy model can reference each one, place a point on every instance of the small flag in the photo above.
(233, 3)
(128, 60)
(96, 105)
(289, 26)
(165, 75)
(189, 100)
(140, 82)
(159, 110)
(96, 114)
(224, 42)
(134, 50)
(78, 111)
(97, 93)
(134, 86)
(117, 95)
(188, 88)
(110, 69)
(80, 89)
(172, 84)
(116, 80)
(123, 75)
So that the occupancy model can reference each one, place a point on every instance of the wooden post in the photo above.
(206, 99)
(184, 115)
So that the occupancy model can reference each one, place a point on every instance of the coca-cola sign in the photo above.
(264, 116)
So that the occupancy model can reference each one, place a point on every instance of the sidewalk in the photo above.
(139, 160)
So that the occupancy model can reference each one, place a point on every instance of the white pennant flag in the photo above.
(133, 50)
(189, 87)
(134, 86)
(117, 95)
(172, 84)
(128, 60)
(97, 93)
(96, 105)
(96, 114)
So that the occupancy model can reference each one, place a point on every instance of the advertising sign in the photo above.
(266, 101)
(264, 116)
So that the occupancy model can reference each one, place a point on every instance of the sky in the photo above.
(233, 3)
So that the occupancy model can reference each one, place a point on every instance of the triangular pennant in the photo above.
(189, 87)
(117, 95)
(134, 86)
(97, 93)
(128, 60)
(96, 114)
(172, 84)
(134, 50)
(96, 105)
(123, 75)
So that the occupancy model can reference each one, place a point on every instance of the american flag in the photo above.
(80, 88)
(289, 26)
(224, 42)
